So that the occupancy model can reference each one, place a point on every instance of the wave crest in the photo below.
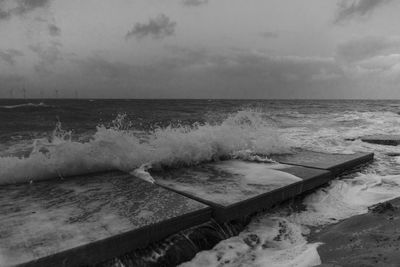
(27, 105)
(120, 147)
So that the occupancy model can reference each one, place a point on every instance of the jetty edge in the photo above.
(389, 140)
(90, 219)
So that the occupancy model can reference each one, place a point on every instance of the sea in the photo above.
(54, 139)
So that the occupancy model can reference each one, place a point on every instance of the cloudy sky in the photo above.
(200, 48)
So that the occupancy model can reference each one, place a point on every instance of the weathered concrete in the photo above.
(389, 140)
(236, 188)
(89, 219)
(336, 163)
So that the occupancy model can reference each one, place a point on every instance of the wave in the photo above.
(27, 105)
(119, 147)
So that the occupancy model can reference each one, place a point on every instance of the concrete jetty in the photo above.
(389, 140)
(236, 189)
(335, 163)
(88, 219)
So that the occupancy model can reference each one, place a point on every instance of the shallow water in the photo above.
(59, 138)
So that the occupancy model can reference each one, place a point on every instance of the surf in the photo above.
(27, 105)
(120, 147)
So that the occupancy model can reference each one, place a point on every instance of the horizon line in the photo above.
(241, 99)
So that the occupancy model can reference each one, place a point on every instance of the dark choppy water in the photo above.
(67, 137)
(32, 118)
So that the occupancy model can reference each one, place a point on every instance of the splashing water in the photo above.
(267, 241)
(119, 147)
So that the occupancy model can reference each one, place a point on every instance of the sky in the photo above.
(258, 49)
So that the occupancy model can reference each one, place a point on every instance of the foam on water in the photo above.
(117, 147)
(256, 173)
(267, 241)
(35, 105)
(228, 182)
(348, 197)
(331, 132)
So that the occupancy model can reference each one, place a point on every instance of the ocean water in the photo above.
(53, 139)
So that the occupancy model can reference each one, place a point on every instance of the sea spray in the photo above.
(142, 173)
(347, 197)
(267, 241)
(118, 146)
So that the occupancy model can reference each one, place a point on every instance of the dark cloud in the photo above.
(359, 8)
(366, 47)
(158, 28)
(9, 55)
(48, 56)
(194, 2)
(54, 30)
(20, 7)
(270, 35)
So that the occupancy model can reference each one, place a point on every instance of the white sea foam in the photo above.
(142, 173)
(256, 173)
(348, 197)
(118, 148)
(41, 104)
(267, 241)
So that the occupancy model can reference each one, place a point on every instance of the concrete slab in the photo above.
(236, 188)
(336, 163)
(389, 140)
(88, 219)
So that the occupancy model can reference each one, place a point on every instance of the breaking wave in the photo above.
(120, 147)
(27, 105)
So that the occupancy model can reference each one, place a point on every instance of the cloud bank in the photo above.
(199, 73)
